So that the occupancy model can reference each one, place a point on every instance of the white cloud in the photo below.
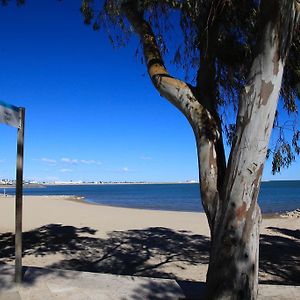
(90, 162)
(69, 160)
(145, 157)
(75, 161)
(125, 169)
(65, 170)
(48, 160)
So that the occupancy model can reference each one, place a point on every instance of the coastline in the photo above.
(82, 199)
(80, 183)
(34, 185)
(273, 200)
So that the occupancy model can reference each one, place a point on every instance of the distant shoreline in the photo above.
(41, 185)
(180, 196)
(34, 185)
(119, 183)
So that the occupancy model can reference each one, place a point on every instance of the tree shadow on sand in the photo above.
(132, 252)
(280, 256)
(147, 252)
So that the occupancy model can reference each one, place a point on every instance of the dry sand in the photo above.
(63, 232)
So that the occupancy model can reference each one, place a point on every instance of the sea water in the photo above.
(274, 196)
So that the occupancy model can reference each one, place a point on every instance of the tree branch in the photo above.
(203, 120)
(176, 91)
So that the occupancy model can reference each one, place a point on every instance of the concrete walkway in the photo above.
(44, 284)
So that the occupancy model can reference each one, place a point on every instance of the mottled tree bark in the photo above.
(233, 269)
(196, 109)
(229, 194)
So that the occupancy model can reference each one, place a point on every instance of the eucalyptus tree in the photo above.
(239, 55)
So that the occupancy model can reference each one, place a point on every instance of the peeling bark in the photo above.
(196, 109)
(229, 200)
(233, 269)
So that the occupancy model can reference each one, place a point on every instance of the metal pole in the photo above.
(19, 198)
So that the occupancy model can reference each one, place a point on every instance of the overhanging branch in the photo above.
(176, 91)
(206, 127)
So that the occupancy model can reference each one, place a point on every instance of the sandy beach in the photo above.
(64, 232)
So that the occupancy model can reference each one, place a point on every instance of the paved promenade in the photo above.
(46, 284)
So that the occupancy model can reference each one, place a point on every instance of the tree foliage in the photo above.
(6, 2)
(225, 30)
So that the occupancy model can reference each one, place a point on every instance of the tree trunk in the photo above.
(233, 268)
(229, 200)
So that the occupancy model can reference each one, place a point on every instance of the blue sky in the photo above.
(91, 111)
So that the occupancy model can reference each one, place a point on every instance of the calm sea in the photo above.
(274, 197)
